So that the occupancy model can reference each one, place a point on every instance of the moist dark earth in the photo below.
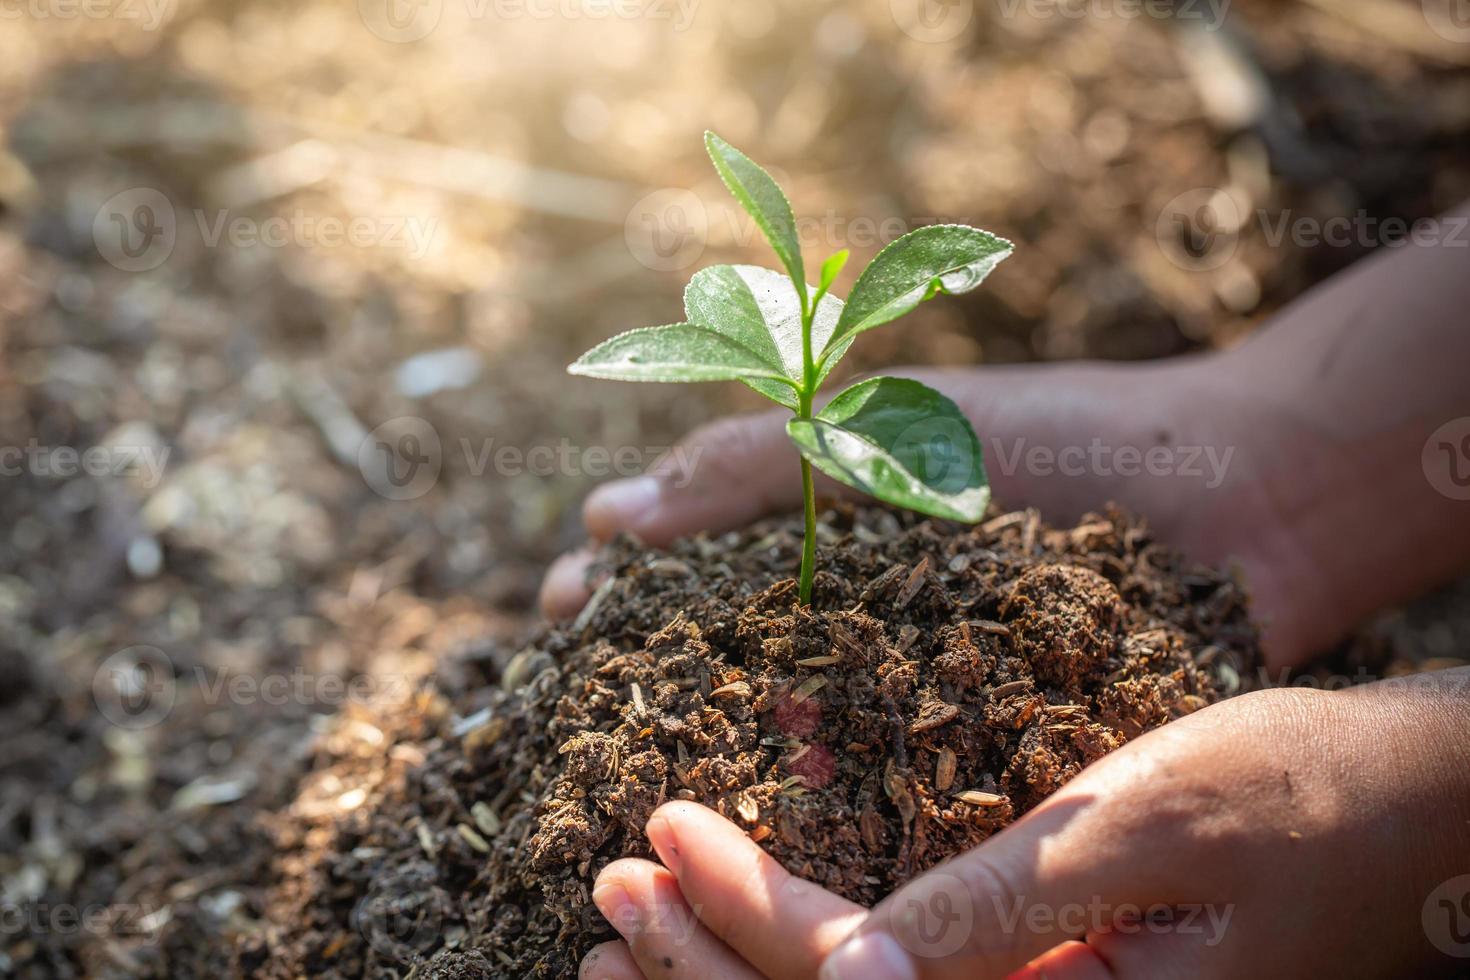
(944, 682)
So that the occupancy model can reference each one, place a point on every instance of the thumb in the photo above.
(1074, 866)
(721, 476)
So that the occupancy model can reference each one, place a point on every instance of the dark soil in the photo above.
(245, 362)
(944, 682)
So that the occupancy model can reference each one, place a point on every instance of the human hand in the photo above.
(1282, 833)
(1215, 494)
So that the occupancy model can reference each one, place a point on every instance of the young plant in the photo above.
(889, 437)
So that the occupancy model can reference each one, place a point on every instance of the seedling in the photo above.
(892, 438)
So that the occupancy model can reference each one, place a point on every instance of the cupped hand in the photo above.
(1173, 441)
(1282, 833)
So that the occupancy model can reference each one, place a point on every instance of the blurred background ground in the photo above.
(519, 181)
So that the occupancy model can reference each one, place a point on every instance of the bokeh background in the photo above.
(250, 233)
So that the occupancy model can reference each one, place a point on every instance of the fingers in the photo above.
(781, 924)
(723, 475)
(1055, 875)
(565, 589)
(1069, 961)
(609, 961)
(644, 904)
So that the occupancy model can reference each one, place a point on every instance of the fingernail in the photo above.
(624, 501)
(616, 906)
(661, 835)
(870, 956)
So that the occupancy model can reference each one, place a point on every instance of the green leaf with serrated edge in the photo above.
(763, 199)
(937, 258)
(758, 308)
(677, 352)
(901, 442)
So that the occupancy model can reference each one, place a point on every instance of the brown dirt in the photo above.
(277, 557)
(944, 682)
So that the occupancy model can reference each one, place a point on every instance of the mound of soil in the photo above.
(943, 683)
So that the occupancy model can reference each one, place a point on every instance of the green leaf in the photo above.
(934, 259)
(832, 268)
(678, 352)
(759, 195)
(900, 442)
(759, 309)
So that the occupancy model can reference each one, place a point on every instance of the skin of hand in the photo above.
(1296, 457)
(1312, 826)
(1286, 832)
(744, 467)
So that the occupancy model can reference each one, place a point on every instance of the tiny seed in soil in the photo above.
(485, 818)
(944, 769)
(934, 715)
(914, 583)
(978, 797)
(808, 687)
(818, 661)
(669, 568)
(737, 689)
(472, 838)
(1002, 522)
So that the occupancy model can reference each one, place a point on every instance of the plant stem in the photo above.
(808, 492)
(809, 539)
